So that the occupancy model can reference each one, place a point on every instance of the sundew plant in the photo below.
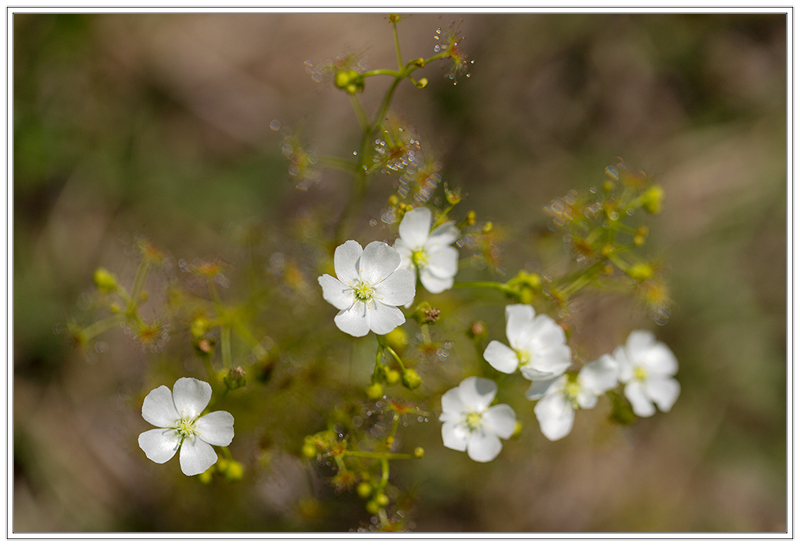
(351, 355)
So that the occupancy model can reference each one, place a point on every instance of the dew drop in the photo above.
(275, 125)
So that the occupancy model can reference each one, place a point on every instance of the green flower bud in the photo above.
(422, 83)
(235, 471)
(309, 451)
(411, 379)
(222, 465)
(419, 452)
(640, 272)
(394, 18)
(392, 377)
(652, 199)
(373, 507)
(364, 490)
(235, 378)
(382, 499)
(341, 80)
(374, 391)
(105, 280)
(206, 477)
(199, 326)
(488, 227)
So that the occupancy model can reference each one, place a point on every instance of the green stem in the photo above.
(138, 282)
(358, 108)
(339, 164)
(384, 72)
(244, 333)
(102, 325)
(487, 284)
(376, 455)
(227, 361)
(397, 47)
(394, 354)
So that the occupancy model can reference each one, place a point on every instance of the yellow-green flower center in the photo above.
(363, 292)
(420, 258)
(523, 357)
(473, 420)
(639, 373)
(571, 392)
(186, 427)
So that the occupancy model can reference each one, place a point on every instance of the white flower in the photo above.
(428, 251)
(177, 413)
(647, 367)
(538, 345)
(470, 424)
(560, 397)
(368, 289)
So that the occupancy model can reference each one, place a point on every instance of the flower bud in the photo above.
(453, 195)
(420, 62)
(488, 227)
(652, 198)
(419, 452)
(422, 83)
(374, 391)
(640, 272)
(105, 280)
(382, 499)
(425, 314)
(364, 490)
(373, 507)
(199, 326)
(392, 377)
(411, 379)
(477, 331)
(235, 471)
(394, 18)
(309, 451)
(235, 378)
(397, 339)
(206, 477)
(470, 220)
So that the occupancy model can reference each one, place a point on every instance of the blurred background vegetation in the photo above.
(159, 126)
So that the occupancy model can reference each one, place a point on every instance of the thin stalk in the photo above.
(376, 455)
(138, 282)
(487, 284)
(397, 47)
(227, 361)
(358, 108)
(102, 325)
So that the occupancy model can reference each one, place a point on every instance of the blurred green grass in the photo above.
(158, 125)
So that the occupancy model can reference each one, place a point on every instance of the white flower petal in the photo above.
(624, 364)
(519, 322)
(501, 357)
(540, 388)
(662, 390)
(345, 261)
(434, 284)
(377, 262)
(443, 262)
(639, 340)
(500, 420)
(477, 393)
(405, 254)
(415, 227)
(483, 446)
(353, 321)
(452, 406)
(196, 456)
(555, 415)
(454, 436)
(600, 375)
(659, 360)
(586, 399)
(160, 444)
(642, 406)
(336, 292)
(546, 332)
(446, 234)
(382, 319)
(399, 288)
(548, 363)
(191, 396)
(159, 409)
(216, 428)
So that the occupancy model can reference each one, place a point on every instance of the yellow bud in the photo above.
(411, 379)
(199, 326)
(606, 251)
(114, 308)
(422, 83)
(652, 198)
(222, 465)
(393, 200)
(392, 377)
(341, 80)
(517, 429)
(419, 452)
(373, 507)
(309, 451)
(382, 499)
(374, 391)
(488, 227)
(420, 62)
(364, 490)
(105, 280)
(397, 339)
(470, 221)
(394, 18)
(640, 272)
(206, 477)
(235, 471)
